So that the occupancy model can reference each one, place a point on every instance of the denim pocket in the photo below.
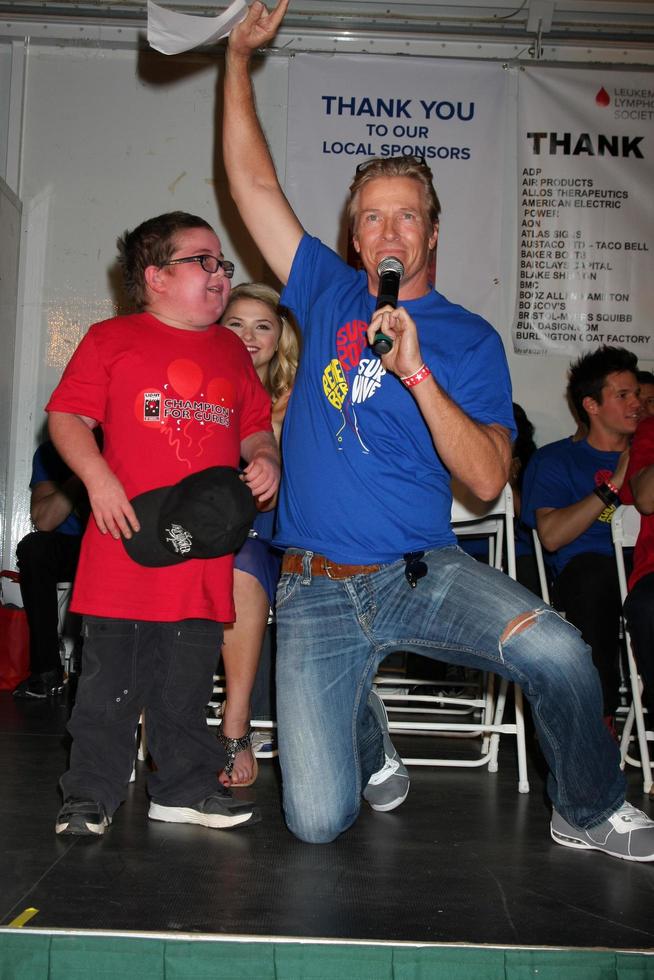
(286, 588)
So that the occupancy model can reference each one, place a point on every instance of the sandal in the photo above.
(234, 745)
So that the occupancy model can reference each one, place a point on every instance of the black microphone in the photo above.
(390, 271)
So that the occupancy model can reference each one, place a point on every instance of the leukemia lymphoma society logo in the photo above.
(632, 102)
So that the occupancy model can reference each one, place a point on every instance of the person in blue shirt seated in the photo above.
(572, 494)
(59, 510)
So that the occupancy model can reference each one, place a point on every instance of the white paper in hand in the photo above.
(172, 33)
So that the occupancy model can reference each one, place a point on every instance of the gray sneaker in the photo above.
(220, 811)
(388, 787)
(628, 834)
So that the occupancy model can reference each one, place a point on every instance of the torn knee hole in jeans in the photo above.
(519, 624)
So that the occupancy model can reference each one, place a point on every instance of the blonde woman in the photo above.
(272, 340)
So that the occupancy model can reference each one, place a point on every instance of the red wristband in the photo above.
(414, 379)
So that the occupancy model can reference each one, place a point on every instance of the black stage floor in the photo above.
(465, 860)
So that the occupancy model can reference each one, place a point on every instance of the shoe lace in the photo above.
(389, 768)
(630, 814)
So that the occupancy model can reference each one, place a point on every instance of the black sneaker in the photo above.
(220, 811)
(82, 818)
(41, 686)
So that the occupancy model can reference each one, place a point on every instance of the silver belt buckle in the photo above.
(326, 566)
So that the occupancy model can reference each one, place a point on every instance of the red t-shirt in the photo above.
(640, 456)
(170, 402)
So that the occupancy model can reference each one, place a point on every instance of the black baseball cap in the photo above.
(205, 515)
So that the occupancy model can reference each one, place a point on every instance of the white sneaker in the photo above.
(220, 811)
(263, 743)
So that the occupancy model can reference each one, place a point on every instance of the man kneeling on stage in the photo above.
(370, 445)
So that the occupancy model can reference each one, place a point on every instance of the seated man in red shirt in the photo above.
(638, 489)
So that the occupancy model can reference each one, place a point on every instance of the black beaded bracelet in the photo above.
(606, 495)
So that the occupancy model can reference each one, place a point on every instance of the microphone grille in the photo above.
(390, 264)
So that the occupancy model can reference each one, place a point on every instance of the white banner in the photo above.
(344, 109)
(586, 211)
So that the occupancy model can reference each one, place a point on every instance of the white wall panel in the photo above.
(5, 79)
(113, 136)
(118, 137)
(10, 222)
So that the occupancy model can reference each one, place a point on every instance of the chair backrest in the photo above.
(625, 527)
(540, 565)
(471, 516)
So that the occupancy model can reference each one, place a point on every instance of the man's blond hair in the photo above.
(404, 166)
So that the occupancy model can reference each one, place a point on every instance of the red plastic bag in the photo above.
(14, 644)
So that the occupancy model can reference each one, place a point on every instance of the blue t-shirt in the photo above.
(362, 482)
(48, 466)
(562, 474)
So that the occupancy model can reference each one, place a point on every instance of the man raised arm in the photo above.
(478, 454)
(251, 172)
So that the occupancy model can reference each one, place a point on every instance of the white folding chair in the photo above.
(470, 517)
(540, 565)
(66, 640)
(625, 527)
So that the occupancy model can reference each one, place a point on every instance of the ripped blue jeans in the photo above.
(332, 635)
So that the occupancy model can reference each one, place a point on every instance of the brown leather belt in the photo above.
(323, 566)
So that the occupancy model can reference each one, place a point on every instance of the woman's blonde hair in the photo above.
(283, 366)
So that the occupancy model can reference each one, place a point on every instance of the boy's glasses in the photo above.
(209, 263)
(414, 568)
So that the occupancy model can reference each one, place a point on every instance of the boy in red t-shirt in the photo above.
(175, 394)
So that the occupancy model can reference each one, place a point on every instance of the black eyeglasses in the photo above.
(409, 157)
(414, 567)
(208, 262)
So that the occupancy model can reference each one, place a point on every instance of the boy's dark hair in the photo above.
(588, 375)
(645, 377)
(151, 243)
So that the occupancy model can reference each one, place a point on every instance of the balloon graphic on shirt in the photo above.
(334, 384)
(186, 412)
(221, 391)
(185, 376)
(336, 389)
